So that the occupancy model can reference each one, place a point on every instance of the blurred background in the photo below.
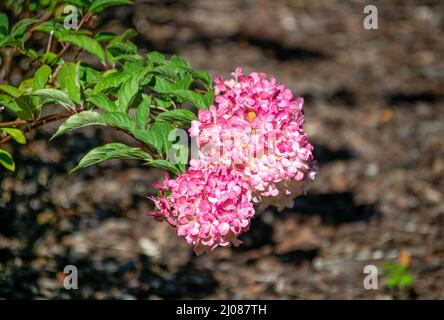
(374, 107)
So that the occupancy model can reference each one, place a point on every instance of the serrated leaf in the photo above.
(20, 27)
(120, 120)
(157, 136)
(9, 103)
(98, 5)
(12, 91)
(129, 89)
(4, 25)
(111, 151)
(31, 53)
(26, 107)
(68, 78)
(85, 42)
(104, 36)
(156, 56)
(179, 62)
(41, 77)
(143, 111)
(204, 77)
(50, 26)
(192, 97)
(163, 86)
(122, 51)
(79, 120)
(16, 134)
(121, 48)
(88, 76)
(6, 160)
(167, 72)
(55, 96)
(101, 101)
(111, 81)
(164, 164)
(181, 117)
(50, 58)
(7, 41)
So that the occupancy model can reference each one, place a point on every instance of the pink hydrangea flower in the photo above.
(255, 128)
(208, 206)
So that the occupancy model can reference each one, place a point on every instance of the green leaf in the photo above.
(158, 135)
(16, 134)
(12, 91)
(111, 151)
(181, 117)
(79, 120)
(50, 58)
(55, 96)
(26, 107)
(208, 98)
(167, 72)
(179, 62)
(4, 25)
(88, 76)
(41, 77)
(111, 81)
(155, 56)
(50, 26)
(204, 77)
(104, 36)
(99, 5)
(39, 81)
(26, 86)
(78, 3)
(122, 51)
(121, 48)
(120, 120)
(29, 52)
(163, 86)
(101, 101)
(164, 164)
(192, 97)
(6, 160)
(9, 103)
(406, 280)
(129, 89)
(143, 111)
(19, 29)
(392, 282)
(85, 42)
(7, 41)
(69, 81)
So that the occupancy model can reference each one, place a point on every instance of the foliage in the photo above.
(144, 95)
(398, 275)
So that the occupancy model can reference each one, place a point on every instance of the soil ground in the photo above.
(374, 106)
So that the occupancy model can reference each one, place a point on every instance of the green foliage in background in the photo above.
(142, 95)
(398, 275)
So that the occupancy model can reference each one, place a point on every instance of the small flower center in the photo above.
(251, 115)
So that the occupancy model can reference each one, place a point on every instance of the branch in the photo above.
(13, 123)
(35, 124)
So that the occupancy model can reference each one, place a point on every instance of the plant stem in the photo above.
(35, 124)
(13, 123)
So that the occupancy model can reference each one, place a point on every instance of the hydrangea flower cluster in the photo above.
(252, 149)
(208, 206)
(256, 129)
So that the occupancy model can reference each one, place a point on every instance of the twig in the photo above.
(66, 47)
(40, 122)
(13, 123)
(48, 46)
